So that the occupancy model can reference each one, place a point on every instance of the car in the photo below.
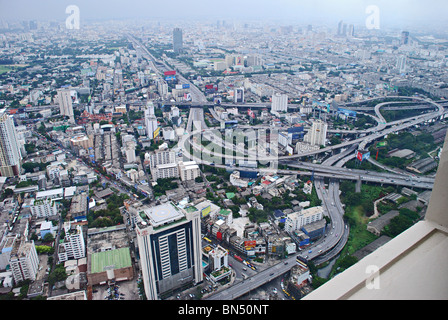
(286, 262)
(271, 274)
(309, 251)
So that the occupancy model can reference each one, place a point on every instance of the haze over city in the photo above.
(394, 14)
(233, 150)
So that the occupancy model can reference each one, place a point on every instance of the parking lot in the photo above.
(123, 290)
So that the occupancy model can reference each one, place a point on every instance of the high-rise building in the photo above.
(10, 154)
(279, 102)
(188, 170)
(150, 120)
(238, 96)
(65, 104)
(405, 37)
(177, 40)
(340, 26)
(23, 261)
(161, 157)
(351, 30)
(317, 135)
(169, 243)
(73, 246)
(401, 64)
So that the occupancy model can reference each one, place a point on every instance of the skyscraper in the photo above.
(23, 261)
(65, 104)
(10, 155)
(150, 120)
(177, 40)
(279, 102)
(340, 26)
(169, 244)
(317, 135)
(238, 96)
(405, 37)
(401, 64)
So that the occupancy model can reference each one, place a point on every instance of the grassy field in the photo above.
(359, 236)
(5, 69)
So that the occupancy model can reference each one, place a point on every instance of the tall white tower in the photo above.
(279, 102)
(10, 155)
(150, 120)
(317, 134)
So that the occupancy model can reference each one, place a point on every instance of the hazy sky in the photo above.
(393, 13)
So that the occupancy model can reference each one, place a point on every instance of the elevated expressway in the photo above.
(328, 247)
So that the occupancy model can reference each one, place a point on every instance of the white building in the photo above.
(10, 154)
(238, 95)
(279, 103)
(401, 64)
(162, 171)
(43, 208)
(65, 104)
(168, 133)
(235, 180)
(188, 170)
(317, 135)
(159, 157)
(295, 221)
(50, 194)
(150, 120)
(23, 261)
(129, 151)
(73, 246)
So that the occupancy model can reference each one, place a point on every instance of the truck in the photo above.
(238, 258)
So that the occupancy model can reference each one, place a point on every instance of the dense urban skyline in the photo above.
(240, 150)
(395, 14)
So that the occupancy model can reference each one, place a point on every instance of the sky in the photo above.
(393, 13)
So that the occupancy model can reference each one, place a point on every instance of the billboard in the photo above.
(156, 132)
(205, 212)
(250, 244)
(170, 78)
(347, 113)
(186, 86)
(362, 155)
(231, 124)
(170, 73)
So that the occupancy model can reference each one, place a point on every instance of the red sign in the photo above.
(250, 243)
(208, 86)
(219, 236)
(170, 73)
(359, 156)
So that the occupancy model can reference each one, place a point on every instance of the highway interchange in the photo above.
(337, 234)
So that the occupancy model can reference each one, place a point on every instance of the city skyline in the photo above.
(245, 150)
(399, 14)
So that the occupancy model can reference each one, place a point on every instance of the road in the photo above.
(336, 237)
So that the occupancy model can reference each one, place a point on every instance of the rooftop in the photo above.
(110, 259)
(163, 214)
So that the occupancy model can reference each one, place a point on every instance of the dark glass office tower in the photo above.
(177, 40)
